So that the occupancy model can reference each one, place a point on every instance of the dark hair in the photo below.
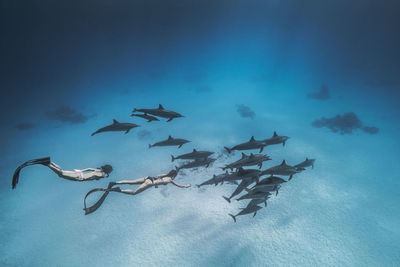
(107, 169)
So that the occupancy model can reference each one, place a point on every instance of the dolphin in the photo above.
(243, 174)
(306, 163)
(272, 180)
(254, 195)
(197, 163)
(248, 160)
(264, 188)
(160, 112)
(117, 127)
(282, 169)
(256, 201)
(276, 139)
(170, 141)
(247, 210)
(243, 184)
(251, 144)
(193, 155)
(216, 179)
(146, 117)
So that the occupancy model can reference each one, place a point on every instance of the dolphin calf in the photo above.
(170, 141)
(146, 117)
(160, 112)
(282, 169)
(196, 163)
(216, 179)
(276, 139)
(250, 160)
(193, 155)
(306, 163)
(247, 210)
(117, 127)
(251, 144)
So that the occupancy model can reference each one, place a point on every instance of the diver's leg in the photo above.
(55, 168)
(140, 189)
(135, 181)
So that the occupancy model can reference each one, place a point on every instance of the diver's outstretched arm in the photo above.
(180, 185)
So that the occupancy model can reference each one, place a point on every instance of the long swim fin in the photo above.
(44, 161)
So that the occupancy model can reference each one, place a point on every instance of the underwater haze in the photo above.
(324, 73)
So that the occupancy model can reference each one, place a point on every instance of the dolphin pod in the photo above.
(243, 179)
(247, 181)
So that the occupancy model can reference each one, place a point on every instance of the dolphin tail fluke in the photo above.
(198, 186)
(172, 158)
(134, 110)
(233, 217)
(150, 146)
(228, 149)
(227, 199)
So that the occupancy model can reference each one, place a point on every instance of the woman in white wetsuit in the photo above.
(145, 183)
(75, 175)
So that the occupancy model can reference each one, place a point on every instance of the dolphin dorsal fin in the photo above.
(160, 106)
(194, 150)
(252, 139)
(275, 134)
(283, 162)
(115, 121)
(306, 158)
(169, 137)
(243, 155)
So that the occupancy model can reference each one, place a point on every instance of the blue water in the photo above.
(344, 212)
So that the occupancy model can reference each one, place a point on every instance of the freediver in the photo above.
(75, 175)
(145, 183)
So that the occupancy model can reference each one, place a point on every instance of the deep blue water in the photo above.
(265, 56)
